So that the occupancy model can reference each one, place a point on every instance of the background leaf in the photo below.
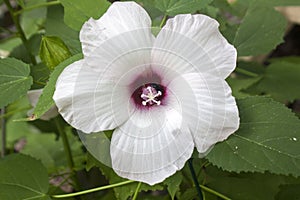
(78, 11)
(45, 101)
(173, 183)
(174, 7)
(55, 26)
(245, 75)
(53, 51)
(281, 80)
(267, 140)
(14, 80)
(47, 148)
(258, 34)
(245, 186)
(290, 192)
(23, 177)
(33, 20)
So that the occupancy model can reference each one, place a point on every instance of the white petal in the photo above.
(196, 39)
(151, 146)
(120, 17)
(84, 103)
(208, 107)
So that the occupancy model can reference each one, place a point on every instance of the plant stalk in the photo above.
(246, 72)
(190, 163)
(214, 192)
(66, 143)
(67, 150)
(92, 190)
(29, 8)
(163, 21)
(137, 191)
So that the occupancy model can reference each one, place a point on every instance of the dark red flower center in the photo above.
(148, 95)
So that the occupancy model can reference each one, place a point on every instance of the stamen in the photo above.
(150, 95)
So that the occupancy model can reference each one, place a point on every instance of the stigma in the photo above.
(150, 96)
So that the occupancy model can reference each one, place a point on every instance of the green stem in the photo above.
(190, 163)
(20, 30)
(51, 3)
(67, 150)
(137, 191)
(92, 190)
(40, 83)
(66, 144)
(3, 133)
(163, 21)
(245, 72)
(214, 192)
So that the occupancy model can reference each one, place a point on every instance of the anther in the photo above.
(150, 95)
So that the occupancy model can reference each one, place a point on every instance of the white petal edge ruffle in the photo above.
(196, 39)
(151, 146)
(119, 18)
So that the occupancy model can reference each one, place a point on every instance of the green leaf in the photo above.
(246, 186)
(267, 140)
(78, 11)
(281, 80)
(189, 194)
(21, 3)
(122, 192)
(32, 21)
(34, 43)
(45, 101)
(290, 192)
(244, 76)
(55, 26)
(174, 7)
(40, 74)
(53, 51)
(238, 84)
(173, 183)
(21, 53)
(45, 147)
(14, 80)
(258, 34)
(16, 131)
(23, 177)
(9, 44)
(151, 9)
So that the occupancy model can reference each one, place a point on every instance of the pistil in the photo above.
(150, 95)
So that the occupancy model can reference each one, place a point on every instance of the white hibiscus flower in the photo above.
(162, 95)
